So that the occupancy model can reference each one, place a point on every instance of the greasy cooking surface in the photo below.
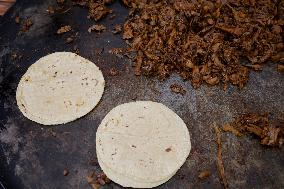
(34, 156)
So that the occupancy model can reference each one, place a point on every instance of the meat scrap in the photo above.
(204, 174)
(69, 40)
(259, 125)
(97, 11)
(127, 3)
(83, 3)
(108, 1)
(26, 24)
(97, 180)
(76, 49)
(280, 68)
(64, 29)
(113, 72)
(60, 1)
(17, 19)
(97, 8)
(176, 88)
(117, 29)
(97, 28)
(65, 172)
(50, 10)
(203, 41)
(220, 164)
(14, 56)
(229, 128)
(128, 33)
(117, 52)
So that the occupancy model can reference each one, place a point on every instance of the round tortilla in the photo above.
(59, 88)
(144, 141)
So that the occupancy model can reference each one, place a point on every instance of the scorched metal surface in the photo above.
(34, 156)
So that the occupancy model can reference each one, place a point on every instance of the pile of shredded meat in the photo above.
(208, 41)
(205, 41)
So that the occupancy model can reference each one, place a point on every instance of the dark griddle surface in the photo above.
(30, 157)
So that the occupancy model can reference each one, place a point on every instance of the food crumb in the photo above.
(98, 10)
(60, 1)
(76, 49)
(280, 67)
(93, 162)
(97, 180)
(101, 181)
(90, 178)
(14, 56)
(65, 172)
(220, 164)
(17, 19)
(176, 88)
(52, 133)
(112, 16)
(168, 149)
(69, 40)
(128, 33)
(117, 29)
(113, 72)
(97, 28)
(204, 174)
(64, 29)
(255, 67)
(26, 24)
(50, 10)
(95, 186)
(117, 52)
(108, 1)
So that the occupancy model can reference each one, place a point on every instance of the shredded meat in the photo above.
(203, 41)
(17, 19)
(26, 24)
(229, 128)
(176, 88)
(65, 172)
(97, 180)
(50, 10)
(259, 125)
(280, 68)
(64, 29)
(60, 1)
(97, 28)
(128, 32)
(204, 174)
(113, 72)
(97, 8)
(220, 164)
(207, 42)
(108, 1)
(117, 29)
(69, 40)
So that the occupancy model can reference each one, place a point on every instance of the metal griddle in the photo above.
(34, 156)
